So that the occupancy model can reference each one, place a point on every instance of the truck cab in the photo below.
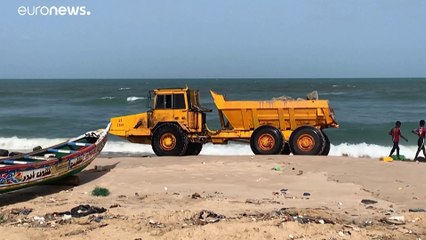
(179, 106)
(177, 109)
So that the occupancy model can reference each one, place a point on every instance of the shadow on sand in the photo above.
(30, 193)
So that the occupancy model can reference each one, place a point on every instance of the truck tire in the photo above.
(286, 150)
(327, 144)
(194, 148)
(307, 140)
(4, 153)
(267, 140)
(169, 140)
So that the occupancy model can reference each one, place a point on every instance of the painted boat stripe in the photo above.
(14, 162)
(79, 144)
(39, 158)
(60, 150)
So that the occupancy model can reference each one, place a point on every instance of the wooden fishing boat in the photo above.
(52, 163)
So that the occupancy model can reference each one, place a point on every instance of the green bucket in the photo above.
(401, 158)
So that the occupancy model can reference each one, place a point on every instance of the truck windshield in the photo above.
(170, 101)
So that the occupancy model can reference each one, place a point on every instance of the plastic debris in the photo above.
(416, 210)
(368, 201)
(394, 220)
(195, 196)
(81, 211)
(204, 217)
(100, 191)
(276, 168)
(288, 215)
(23, 211)
(252, 201)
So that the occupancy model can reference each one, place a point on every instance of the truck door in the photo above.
(180, 109)
(193, 110)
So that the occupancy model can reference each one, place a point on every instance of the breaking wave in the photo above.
(127, 148)
(107, 97)
(27, 144)
(369, 150)
(344, 149)
(124, 88)
(332, 93)
(133, 98)
(123, 147)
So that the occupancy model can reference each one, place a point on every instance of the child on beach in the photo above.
(396, 134)
(421, 132)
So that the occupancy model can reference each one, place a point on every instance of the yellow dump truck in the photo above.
(176, 124)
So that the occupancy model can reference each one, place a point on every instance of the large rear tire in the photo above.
(327, 146)
(169, 140)
(266, 140)
(307, 140)
(194, 148)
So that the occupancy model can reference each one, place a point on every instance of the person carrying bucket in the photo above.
(396, 134)
(421, 132)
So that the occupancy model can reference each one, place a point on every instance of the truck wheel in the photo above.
(327, 144)
(169, 140)
(194, 148)
(266, 140)
(286, 150)
(307, 140)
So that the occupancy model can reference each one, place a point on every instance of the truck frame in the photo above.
(176, 124)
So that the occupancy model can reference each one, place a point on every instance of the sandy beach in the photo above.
(227, 197)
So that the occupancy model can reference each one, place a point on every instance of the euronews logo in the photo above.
(53, 11)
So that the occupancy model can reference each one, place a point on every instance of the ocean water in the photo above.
(42, 112)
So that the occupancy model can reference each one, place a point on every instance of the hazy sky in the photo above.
(215, 39)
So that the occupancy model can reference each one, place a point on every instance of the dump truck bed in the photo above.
(282, 114)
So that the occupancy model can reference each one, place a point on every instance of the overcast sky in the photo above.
(215, 39)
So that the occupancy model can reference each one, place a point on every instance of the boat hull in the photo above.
(19, 172)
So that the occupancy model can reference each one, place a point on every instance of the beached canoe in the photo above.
(52, 163)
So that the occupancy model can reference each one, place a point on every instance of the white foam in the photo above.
(27, 144)
(107, 97)
(227, 149)
(127, 147)
(369, 150)
(332, 93)
(208, 149)
(343, 149)
(133, 98)
(124, 88)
